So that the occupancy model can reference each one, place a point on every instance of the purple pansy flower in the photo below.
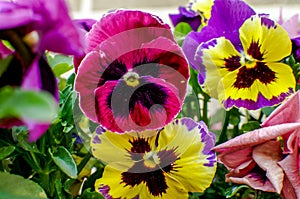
(134, 76)
(227, 16)
(195, 14)
(187, 16)
(33, 26)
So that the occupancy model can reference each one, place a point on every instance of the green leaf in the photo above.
(66, 112)
(4, 63)
(24, 104)
(88, 194)
(58, 59)
(181, 30)
(250, 126)
(268, 110)
(6, 151)
(16, 187)
(22, 140)
(234, 190)
(61, 68)
(64, 160)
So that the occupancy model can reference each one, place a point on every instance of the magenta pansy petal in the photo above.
(87, 80)
(16, 15)
(117, 22)
(56, 30)
(140, 63)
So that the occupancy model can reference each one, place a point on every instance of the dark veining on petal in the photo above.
(232, 63)
(154, 178)
(247, 76)
(254, 51)
(268, 22)
(258, 174)
(113, 72)
(139, 147)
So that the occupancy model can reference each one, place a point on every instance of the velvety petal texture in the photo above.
(165, 163)
(268, 158)
(135, 76)
(252, 78)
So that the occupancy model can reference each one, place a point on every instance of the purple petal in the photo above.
(186, 16)
(226, 18)
(85, 24)
(56, 29)
(13, 15)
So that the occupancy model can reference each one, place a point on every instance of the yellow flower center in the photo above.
(151, 159)
(131, 78)
(248, 61)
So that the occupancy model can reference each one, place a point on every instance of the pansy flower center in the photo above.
(131, 78)
(151, 159)
(248, 61)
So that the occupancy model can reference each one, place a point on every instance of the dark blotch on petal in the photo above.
(126, 97)
(254, 51)
(246, 76)
(148, 95)
(154, 180)
(139, 147)
(113, 72)
(147, 68)
(232, 63)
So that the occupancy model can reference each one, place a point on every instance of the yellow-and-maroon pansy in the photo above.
(254, 77)
(167, 163)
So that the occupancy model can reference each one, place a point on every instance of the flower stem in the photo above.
(223, 135)
(83, 162)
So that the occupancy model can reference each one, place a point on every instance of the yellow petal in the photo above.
(214, 59)
(273, 41)
(112, 178)
(112, 148)
(283, 82)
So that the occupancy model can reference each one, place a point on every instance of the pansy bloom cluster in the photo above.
(122, 107)
(132, 81)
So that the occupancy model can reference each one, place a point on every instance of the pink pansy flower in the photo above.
(268, 158)
(134, 76)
